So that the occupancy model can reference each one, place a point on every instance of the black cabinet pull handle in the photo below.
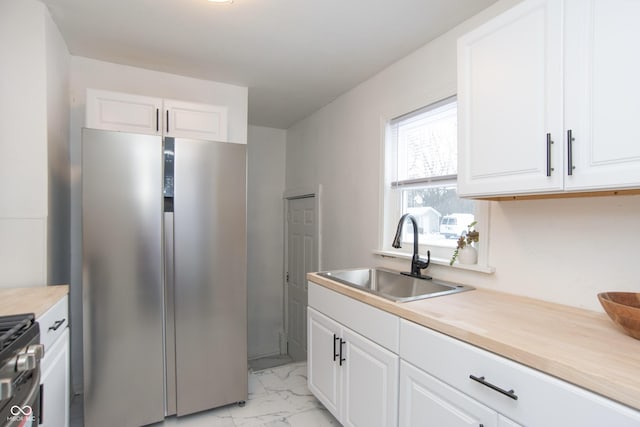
(335, 353)
(549, 142)
(342, 359)
(57, 325)
(511, 393)
(167, 120)
(157, 119)
(570, 140)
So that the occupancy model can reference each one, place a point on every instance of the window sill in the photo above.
(439, 261)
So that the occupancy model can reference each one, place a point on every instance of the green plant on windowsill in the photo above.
(470, 237)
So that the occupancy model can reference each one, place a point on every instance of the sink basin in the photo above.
(393, 285)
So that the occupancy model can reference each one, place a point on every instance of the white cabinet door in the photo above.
(323, 352)
(509, 100)
(602, 92)
(428, 402)
(370, 378)
(55, 383)
(191, 120)
(506, 422)
(355, 378)
(123, 112)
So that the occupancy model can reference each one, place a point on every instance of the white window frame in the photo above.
(391, 209)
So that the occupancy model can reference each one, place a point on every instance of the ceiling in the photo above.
(294, 55)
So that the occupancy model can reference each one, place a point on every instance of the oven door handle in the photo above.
(31, 400)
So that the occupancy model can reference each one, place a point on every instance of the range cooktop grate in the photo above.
(13, 327)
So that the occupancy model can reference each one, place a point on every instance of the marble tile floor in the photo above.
(278, 397)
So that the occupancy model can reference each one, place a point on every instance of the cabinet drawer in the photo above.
(427, 401)
(536, 399)
(375, 324)
(53, 323)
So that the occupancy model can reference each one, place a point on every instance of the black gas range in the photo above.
(20, 354)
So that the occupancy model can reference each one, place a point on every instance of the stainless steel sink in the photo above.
(393, 285)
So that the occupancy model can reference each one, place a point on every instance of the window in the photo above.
(421, 169)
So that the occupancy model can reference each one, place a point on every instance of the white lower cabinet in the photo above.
(506, 422)
(324, 377)
(426, 401)
(518, 394)
(55, 384)
(370, 368)
(355, 378)
(54, 366)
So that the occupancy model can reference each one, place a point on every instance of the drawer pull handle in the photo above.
(511, 393)
(335, 353)
(57, 325)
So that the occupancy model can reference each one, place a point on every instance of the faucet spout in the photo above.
(417, 264)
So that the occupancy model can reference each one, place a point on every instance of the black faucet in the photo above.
(416, 263)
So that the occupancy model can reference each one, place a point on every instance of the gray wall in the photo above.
(59, 174)
(266, 152)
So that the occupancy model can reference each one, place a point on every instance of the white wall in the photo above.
(33, 131)
(90, 73)
(559, 250)
(23, 175)
(265, 231)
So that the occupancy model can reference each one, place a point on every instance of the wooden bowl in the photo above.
(624, 309)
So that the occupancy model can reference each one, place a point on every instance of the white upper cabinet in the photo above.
(123, 112)
(547, 100)
(191, 120)
(602, 93)
(509, 99)
(155, 116)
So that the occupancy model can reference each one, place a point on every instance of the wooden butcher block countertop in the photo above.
(579, 346)
(30, 300)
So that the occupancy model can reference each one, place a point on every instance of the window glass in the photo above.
(421, 175)
(427, 143)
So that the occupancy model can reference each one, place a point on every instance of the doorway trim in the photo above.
(292, 194)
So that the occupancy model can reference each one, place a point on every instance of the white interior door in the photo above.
(301, 259)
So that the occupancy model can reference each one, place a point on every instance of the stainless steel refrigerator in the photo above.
(164, 276)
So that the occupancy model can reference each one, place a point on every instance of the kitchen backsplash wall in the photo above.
(563, 250)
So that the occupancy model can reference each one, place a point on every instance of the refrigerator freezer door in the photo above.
(122, 278)
(210, 274)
